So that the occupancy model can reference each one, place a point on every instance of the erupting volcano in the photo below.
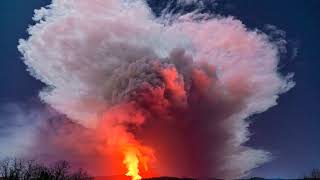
(150, 95)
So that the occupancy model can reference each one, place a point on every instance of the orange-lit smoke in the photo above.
(135, 155)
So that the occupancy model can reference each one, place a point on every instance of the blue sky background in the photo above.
(290, 130)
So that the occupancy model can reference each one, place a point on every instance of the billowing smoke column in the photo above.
(151, 96)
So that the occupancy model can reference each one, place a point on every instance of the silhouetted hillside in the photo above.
(175, 178)
(168, 178)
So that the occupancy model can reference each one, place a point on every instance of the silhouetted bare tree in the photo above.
(314, 174)
(60, 170)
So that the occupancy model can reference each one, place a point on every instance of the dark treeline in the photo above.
(20, 169)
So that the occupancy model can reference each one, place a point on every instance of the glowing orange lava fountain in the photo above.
(135, 155)
(131, 160)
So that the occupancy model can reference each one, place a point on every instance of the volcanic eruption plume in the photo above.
(151, 96)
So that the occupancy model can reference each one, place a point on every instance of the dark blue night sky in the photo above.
(290, 130)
